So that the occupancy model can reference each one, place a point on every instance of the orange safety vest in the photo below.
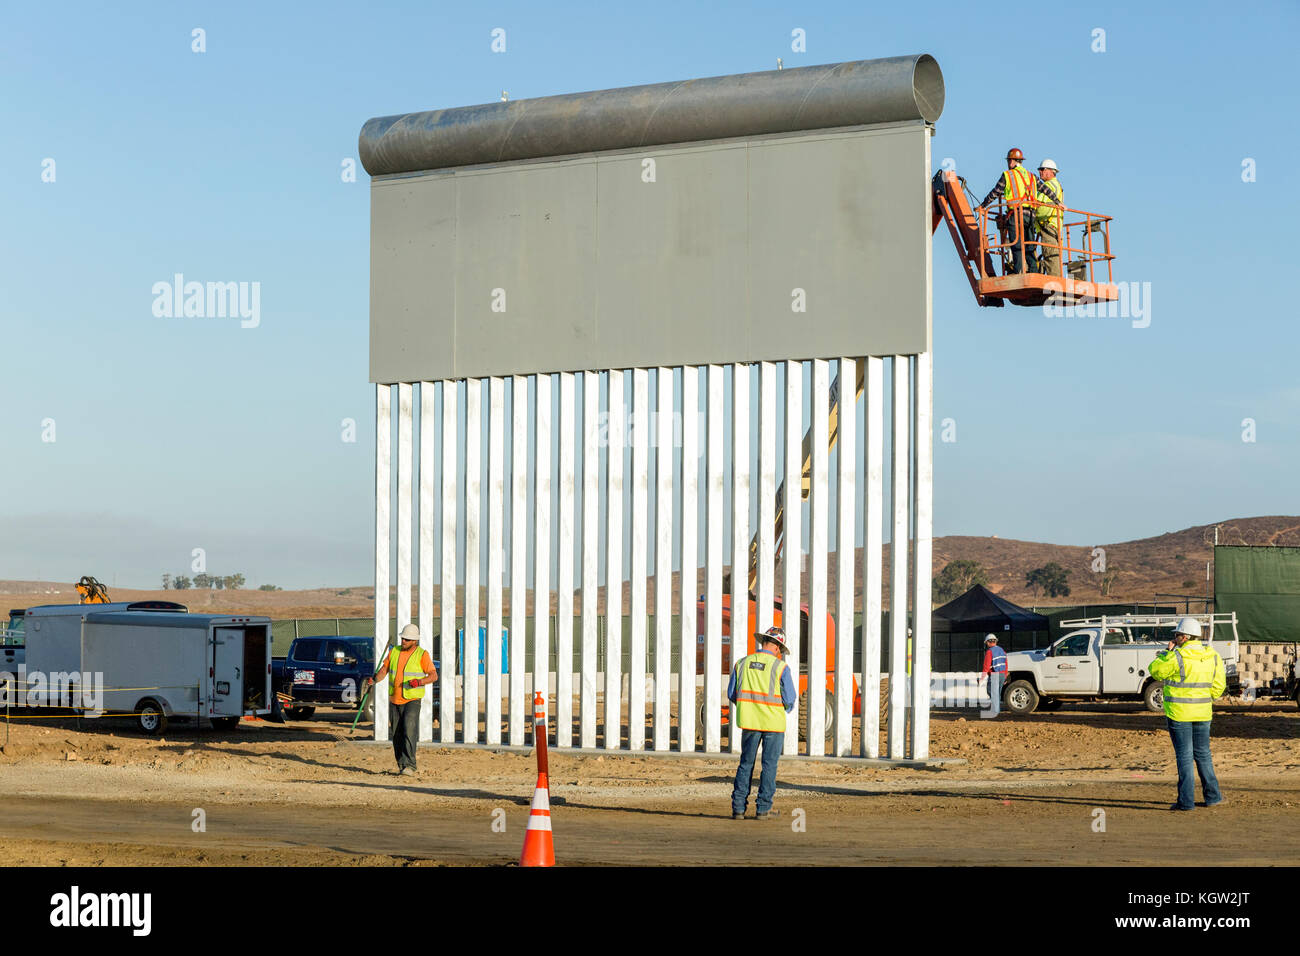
(1019, 186)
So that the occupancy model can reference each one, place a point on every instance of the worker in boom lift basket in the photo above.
(1015, 188)
(1049, 213)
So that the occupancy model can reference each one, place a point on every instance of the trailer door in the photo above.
(227, 672)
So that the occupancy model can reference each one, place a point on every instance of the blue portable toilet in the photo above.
(482, 649)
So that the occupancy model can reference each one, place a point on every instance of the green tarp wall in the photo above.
(1263, 586)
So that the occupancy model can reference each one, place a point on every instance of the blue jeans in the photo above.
(1192, 745)
(995, 695)
(772, 742)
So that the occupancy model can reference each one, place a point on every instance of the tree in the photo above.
(167, 578)
(956, 579)
(181, 583)
(1051, 578)
(1108, 578)
(201, 580)
(234, 581)
(216, 582)
(267, 587)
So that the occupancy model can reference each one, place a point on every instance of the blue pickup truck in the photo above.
(323, 671)
(327, 672)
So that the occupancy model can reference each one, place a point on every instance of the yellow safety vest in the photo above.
(1044, 212)
(758, 692)
(1018, 185)
(414, 669)
(1193, 676)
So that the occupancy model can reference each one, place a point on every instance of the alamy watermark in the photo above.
(77, 690)
(1133, 302)
(208, 300)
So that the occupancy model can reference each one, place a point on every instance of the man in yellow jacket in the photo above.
(409, 670)
(762, 692)
(1193, 675)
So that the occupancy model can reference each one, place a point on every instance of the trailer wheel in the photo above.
(1153, 698)
(225, 723)
(1020, 697)
(150, 717)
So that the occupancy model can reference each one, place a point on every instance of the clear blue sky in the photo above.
(173, 434)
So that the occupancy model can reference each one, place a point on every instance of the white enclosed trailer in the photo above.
(154, 664)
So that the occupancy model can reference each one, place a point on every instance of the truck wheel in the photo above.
(225, 723)
(1020, 697)
(1153, 698)
(369, 712)
(150, 717)
(829, 719)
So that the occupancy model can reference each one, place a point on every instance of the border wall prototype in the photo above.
(624, 341)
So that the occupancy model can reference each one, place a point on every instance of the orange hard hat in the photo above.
(1015, 154)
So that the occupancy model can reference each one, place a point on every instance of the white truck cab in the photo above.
(1107, 657)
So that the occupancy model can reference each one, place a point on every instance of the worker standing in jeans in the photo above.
(1194, 676)
(1049, 214)
(1015, 189)
(995, 670)
(409, 669)
(762, 693)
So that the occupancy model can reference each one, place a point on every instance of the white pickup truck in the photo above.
(1107, 657)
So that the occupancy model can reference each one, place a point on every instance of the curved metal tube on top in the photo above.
(857, 93)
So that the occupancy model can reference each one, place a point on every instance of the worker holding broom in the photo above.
(409, 669)
(762, 692)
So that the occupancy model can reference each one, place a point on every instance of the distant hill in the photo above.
(1172, 563)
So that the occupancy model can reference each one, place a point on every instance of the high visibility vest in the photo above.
(1193, 676)
(998, 660)
(1042, 211)
(414, 669)
(758, 692)
(1017, 185)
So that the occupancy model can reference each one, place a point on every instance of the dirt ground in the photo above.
(310, 793)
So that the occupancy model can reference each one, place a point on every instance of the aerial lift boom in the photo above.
(971, 228)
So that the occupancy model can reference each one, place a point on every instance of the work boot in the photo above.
(768, 814)
(737, 816)
(406, 772)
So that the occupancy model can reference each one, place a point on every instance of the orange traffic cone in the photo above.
(539, 848)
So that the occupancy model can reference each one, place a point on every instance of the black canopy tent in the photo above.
(965, 620)
(979, 609)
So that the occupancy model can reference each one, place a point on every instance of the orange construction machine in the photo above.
(91, 591)
(1084, 249)
(778, 618)
(828, 693)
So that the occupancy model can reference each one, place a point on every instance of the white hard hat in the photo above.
(410, 633)
(1189, 626)
(1047, 164)
(990, 637)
